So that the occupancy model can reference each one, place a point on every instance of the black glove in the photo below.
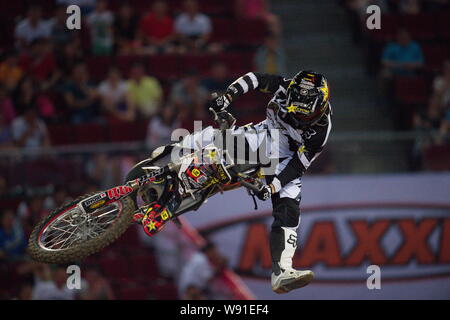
(219, 103)
(264, 193)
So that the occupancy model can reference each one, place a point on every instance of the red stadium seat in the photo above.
(223, 30)
(166, 291)
(165, 66)
(115, 267)
(251, 31)
(387, 31)
(421, 26)
(201, 62)
(134, 293)
(411, 90)
(437, 158)
(61, 134)
(124, 63)
(435, 55)
(126, 131)
(443, 26)
(143, 266)
(98, 66)
(89, 133)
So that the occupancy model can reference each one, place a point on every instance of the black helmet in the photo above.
(307, 100)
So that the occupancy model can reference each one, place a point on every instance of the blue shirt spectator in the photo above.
(404, 56)
(12, 238)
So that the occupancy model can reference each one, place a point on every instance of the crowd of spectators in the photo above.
(411, 56)
(45, 77)
(47, 80)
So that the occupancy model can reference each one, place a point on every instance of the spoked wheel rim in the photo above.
(72, 226)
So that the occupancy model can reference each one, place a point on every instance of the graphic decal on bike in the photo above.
(117, 192)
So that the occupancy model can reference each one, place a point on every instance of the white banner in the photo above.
(400, 223)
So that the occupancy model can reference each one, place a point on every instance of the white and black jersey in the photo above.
(307, 144)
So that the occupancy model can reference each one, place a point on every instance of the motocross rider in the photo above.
(301, 111)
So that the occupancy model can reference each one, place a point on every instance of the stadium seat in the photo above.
(124, 63)
(421, 26)
(89, 133)
(115, 267)
(411, 90)
(437, 158)
(134, 293)
(387, 30)
(251, 31)
(443, 26)
(165, 66)
(223, 30)
(143, 265)
(61, 134)
(434, 56)
(200, 62)
(166, 291)
(126, 131)
(98, 67)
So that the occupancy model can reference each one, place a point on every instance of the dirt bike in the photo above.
(93, 221)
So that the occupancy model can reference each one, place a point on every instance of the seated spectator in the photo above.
(81, 96)
(51, 284)
(31, 28)
(59, 197)
(68, 57)
(6, 141)
(10, 71)
(440, 98)
(6, 106)
(156, 29)
(59, 34)
(100, 23)
(189, 97)
(161, 126)
(113, 93)
(27, 94)
(218, 80)
(30, 211)
(200, 270)
(99, 287)
(29, 131)
(25, 291)
(259, 9)
(402, 57)
(144, 93)
(444, 129)
(193, 29)
(39, 63)
(125, 29)
(270, 58)
(12, 238)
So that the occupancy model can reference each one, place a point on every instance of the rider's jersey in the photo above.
(306, 144)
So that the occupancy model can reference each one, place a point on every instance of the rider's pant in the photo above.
(286, 214)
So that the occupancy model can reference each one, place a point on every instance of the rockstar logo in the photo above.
(151, 225)
(292, 109)
(324, 89)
